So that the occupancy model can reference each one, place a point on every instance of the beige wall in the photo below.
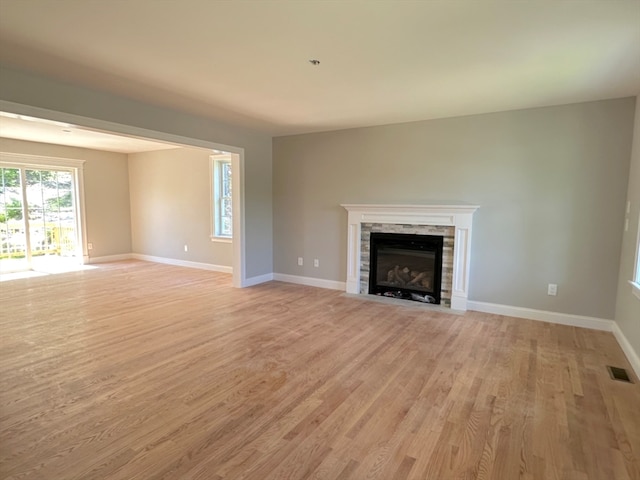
(170, 206)
(45, 93)
(627, 305)
(106, 187)
(550, 183)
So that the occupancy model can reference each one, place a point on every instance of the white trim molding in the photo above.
(183, 263)
(458, 216)
(110, 258)
(631, 354)
(251, 281)
(542, 315)
(221, 239)
(39, 161)
(309, 281)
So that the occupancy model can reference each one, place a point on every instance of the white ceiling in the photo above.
(45, 131)
(385, 61)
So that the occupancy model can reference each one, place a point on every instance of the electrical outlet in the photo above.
(300, 261)
(316, 262)
(90, 246)
(552, 289)
(186, 247)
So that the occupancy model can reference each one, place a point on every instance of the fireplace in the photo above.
(454, 222)
(406, 266)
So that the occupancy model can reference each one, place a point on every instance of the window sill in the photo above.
(635, 288)
(221, 239)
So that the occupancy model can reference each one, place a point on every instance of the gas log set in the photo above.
(405, 277)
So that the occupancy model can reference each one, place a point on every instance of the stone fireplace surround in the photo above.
(412, 216)
(447, 252)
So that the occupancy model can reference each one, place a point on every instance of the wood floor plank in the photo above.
(135, 370)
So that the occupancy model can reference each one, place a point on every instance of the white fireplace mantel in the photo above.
(458, 216)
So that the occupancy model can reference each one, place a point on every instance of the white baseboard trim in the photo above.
(250, 282)
(310, 281)
(110, 258)
(631, 354)
(542, 315)
(182, 263)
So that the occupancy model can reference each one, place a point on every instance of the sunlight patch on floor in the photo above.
(49, 269)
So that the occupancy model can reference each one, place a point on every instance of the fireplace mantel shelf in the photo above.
(444, 208)
(456, 215)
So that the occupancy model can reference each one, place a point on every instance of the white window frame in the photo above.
(217, 161)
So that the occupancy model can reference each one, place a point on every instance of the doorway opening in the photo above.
(238, 268)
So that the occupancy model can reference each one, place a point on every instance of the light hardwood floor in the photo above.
(137, 370)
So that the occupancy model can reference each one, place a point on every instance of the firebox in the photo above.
(406, 266)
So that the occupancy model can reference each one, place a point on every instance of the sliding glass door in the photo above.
(13, 238)
(38, 219)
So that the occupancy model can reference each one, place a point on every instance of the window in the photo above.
(222, 208)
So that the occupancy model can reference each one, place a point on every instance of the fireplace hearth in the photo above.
(406, 266)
